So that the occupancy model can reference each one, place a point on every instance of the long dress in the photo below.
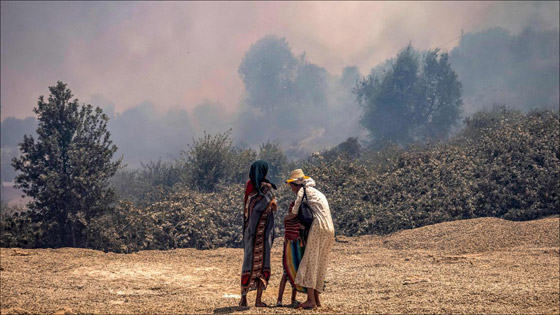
(313, 266)
(258, 235)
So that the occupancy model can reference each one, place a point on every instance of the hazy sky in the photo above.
(178, 54)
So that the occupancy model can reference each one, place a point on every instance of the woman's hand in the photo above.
(271, 207)
(289, 216)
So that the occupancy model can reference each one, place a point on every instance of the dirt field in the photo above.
(484, 265)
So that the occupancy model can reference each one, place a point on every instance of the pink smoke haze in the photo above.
(177, 54)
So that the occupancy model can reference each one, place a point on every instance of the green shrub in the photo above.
(212, 160)
(349, 149)
(125, 229)
(20, 227)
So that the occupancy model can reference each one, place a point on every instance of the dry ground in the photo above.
(484, 265)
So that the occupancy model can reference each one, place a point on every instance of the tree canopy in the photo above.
(67, 169)
(268, 71)
(418, 98)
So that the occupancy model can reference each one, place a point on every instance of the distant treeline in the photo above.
(503, 163)
(285, 91)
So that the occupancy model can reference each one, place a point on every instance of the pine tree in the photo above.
(67, 169)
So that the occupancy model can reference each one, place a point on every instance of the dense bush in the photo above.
(149, 183)
(184, 218)
(20, 228)
(517, 169)
(209, 162)
(125, 229)
(349, 149)
(502, 164)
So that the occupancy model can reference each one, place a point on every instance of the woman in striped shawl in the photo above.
(258, 232)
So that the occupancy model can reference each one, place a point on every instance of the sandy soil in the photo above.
(484, 265)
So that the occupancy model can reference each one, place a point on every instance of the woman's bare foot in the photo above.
(307, 305)
(243, 302)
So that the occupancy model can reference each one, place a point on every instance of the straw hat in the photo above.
(296, 175)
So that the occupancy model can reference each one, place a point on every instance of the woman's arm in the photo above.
(298, 201)
(295, 208)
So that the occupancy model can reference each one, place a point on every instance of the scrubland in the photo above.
(483, 265)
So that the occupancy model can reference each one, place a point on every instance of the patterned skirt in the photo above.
(293, 253)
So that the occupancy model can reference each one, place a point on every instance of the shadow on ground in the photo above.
(230, 309)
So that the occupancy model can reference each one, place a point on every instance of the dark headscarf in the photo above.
(258, 172)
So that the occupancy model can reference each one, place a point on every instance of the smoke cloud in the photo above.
(167, 72)
(181, 53)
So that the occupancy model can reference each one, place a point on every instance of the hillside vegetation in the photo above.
(503, 164)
